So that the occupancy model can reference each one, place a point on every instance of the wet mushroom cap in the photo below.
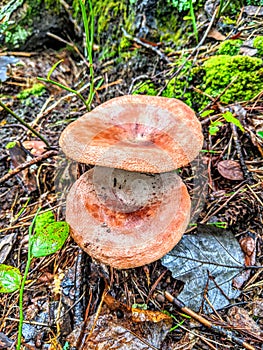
(136, 133)
(127, 219)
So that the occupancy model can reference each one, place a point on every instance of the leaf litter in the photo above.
(207, 263)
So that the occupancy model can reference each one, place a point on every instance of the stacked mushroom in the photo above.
(131, 208)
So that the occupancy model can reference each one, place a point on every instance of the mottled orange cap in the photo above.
(127, 219)
(136, 133)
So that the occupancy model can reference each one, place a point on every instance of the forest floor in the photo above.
(70, 300)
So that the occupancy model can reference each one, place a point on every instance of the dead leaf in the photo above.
(108, 332)
(35, 147)
(6, 245)
(215, 34)
(26, 177)
(239, 318)
(248, 245)
(136, 329)
(135, 314)
(230, 169)
(214, 251)
(139, 315)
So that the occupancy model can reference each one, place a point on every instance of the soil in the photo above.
(71, 284)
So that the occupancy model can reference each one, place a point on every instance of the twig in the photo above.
(243, 165)
(24, 123)
(58, 38)
(27, 165)
(153, 48)
(179, 304)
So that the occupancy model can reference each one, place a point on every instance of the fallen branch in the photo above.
(217, 329)
(8, 110)
(148, 46)
(27, 164)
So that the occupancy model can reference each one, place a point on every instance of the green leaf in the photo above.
(10, 279)
(43, 220)
(260, 134)
(50, 239)
(206, 113)
(214, 127)
(53, 68)
(231, 119)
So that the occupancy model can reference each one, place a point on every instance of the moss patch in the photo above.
(229, 47)
(146, 88)
(36, 90)
(258, 44)
(243, 75)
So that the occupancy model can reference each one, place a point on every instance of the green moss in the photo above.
(243, 75)
(18, 19)
(16, 35)
(258, 44)
(230, 47)
(54, 5)
(180, 86)
(36, 90)
(125, 43)
(10, 145)
(146, 88)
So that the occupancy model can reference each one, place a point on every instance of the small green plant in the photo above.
(49, 236)
(140, 306)
(228, 116)
(88, 52)
(260, 134)
(218, 224)
(178, 323)
(185, 5)
(214, 127)
(181, 5)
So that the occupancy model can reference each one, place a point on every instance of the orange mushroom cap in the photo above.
(136, 133)
(127, 219)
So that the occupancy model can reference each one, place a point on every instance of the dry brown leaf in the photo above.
(35, 147)
(136, 329)
(248, 245)
(139, 315)
(215, 34)
(230, 169)
(108, 332)
(27, 176)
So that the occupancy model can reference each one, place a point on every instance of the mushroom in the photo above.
(127, 219)
(135, 133)
(131, 208)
